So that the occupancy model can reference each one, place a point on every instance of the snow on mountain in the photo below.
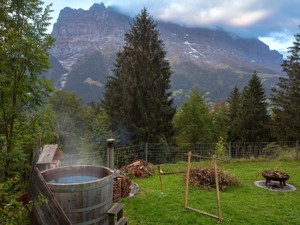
(87, 42)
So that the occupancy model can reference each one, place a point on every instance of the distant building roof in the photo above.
(48, 153)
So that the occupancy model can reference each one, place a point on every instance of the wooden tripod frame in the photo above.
(219, 216)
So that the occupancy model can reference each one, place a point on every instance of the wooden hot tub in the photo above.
(84, 192)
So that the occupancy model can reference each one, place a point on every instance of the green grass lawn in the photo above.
(245, 204)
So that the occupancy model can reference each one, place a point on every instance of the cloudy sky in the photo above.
(272, 21)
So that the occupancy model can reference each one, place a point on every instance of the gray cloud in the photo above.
(247, 18)
(273, 21)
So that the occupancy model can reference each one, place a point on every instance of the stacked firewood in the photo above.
(139, 168)
(205, 178)
(121, 187)
(55, 164)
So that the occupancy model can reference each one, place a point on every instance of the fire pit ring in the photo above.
(274, 186)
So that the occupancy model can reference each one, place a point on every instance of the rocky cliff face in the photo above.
(213, 60)
(79, 31)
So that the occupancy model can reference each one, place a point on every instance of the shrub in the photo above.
(220, 150)
(275, 151)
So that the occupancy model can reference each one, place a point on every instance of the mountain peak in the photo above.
(97, 7)
(214, 60)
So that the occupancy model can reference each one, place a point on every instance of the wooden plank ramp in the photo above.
(49, 213)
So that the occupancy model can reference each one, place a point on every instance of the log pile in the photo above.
(275, 174)
(121, 187)
(139, 168)
(205, 178)
(55, 163)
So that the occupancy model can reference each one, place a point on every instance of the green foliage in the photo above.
(80, 130)
(69, 119)
(12, 211)
(192, 121)
(286, 97)
(221, 150)
(24, 56)
(195, 122)
(276, 151)
(94, 139)
(234, 105)
(137, 99)
(46, 129)
(15, 204)
(18, 161)
(219, 113)
(253, 119)
(35, 132)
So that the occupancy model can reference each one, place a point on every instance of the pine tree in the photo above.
(234, 102)
(253, 118)
(286, 97)
(137, 98)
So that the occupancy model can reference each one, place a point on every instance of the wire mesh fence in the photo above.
(161, 153)
(156, 153)
(95, 158)
(266, 150)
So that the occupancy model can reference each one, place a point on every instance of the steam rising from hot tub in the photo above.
(104, 156)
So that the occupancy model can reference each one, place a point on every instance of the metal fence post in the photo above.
(146, 151)
(297, 150)
(229, 149)
(111, 153)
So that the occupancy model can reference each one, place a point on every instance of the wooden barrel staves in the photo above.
(84, 192)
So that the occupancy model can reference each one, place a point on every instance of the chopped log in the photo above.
(137, 163)
(275, 174)
(121, 187)
(139, 168)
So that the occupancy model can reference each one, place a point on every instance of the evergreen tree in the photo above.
(234, 103)
(286, 97)
(253, 118)
(137, 98)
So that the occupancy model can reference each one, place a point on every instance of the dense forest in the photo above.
(137, 106)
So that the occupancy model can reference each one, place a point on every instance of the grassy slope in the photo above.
(246, 204)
